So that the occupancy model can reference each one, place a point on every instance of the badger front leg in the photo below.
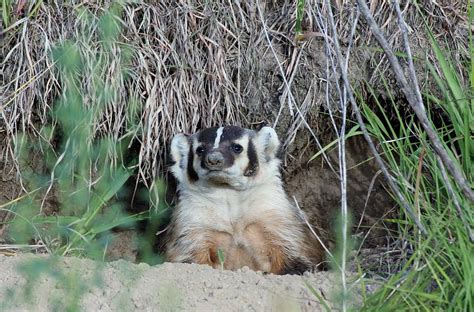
(204, 246)
(253, 248)
(190, 247)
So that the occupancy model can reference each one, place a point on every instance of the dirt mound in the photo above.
(121, 285)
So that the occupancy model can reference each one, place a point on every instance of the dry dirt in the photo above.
(124, 286)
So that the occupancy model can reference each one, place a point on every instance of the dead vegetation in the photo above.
(195, 64)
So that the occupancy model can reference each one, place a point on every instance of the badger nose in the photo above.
(215, 161)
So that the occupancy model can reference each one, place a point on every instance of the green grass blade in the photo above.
(351, 133)
(122, 221)
(320, 298)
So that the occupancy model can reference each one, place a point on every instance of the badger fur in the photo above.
(232, 202)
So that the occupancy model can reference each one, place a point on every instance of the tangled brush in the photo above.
(178, 66)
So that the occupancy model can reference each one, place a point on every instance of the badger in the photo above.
(232, 210)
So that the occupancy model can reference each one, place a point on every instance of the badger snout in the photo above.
(214, 161)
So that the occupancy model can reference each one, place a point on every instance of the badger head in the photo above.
(229, 156)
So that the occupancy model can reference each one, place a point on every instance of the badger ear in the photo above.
(179, 151)
(267, 140)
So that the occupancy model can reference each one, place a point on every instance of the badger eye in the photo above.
(200, 150)
(237, 148)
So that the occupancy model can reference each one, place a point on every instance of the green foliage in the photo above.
(8, 10)
(457, 103)
(84, 172)
(440, 272)
(299, 16)
(339, 258)
(221, 257)
(319, 297)
(354, 131)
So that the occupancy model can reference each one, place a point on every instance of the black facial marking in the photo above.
(208, 136)
(231, 133)
(252, 168)
(192, 174)
(229, 158)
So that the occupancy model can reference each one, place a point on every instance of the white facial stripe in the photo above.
(218, 137)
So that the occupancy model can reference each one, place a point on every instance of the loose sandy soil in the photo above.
(124, 286)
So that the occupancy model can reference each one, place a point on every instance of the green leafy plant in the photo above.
(440, 270)
(84, 172)
(299, 17)
(457, 103)
(6, 11)
(221, 257)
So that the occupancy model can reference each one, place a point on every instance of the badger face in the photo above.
(230, 156)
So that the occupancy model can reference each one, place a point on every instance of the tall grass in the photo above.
(79, 170)
(6, 12)
(439, 271)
